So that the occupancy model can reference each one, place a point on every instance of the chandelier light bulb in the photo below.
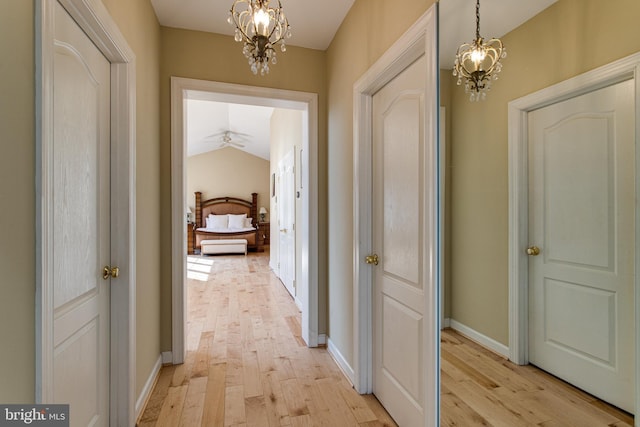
(477, 56)
(261, 22)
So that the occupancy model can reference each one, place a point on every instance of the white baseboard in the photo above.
(346, 369)
(167, 358)
(481, 339)
(446, 323)
(322, 339)
(148, 388)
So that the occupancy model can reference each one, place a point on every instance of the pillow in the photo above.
(237, 221)
(248, 222)
(217, 221)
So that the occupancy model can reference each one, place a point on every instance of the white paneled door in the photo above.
(400, 233)
(286, 222)
(81, 224)
(582, 242)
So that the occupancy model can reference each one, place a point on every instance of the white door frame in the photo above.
(420, 39)
(95, 21)
(227, 92)
(618, 71)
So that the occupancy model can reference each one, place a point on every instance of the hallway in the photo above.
(246, 363)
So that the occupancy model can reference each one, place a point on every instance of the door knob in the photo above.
(110, 272)
(371, 259)
(533, 250)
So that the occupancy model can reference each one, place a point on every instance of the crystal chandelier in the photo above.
(478, 63)
(260, 28)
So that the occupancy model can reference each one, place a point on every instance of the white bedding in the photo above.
(227, 230)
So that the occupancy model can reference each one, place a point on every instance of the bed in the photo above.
(221, 218)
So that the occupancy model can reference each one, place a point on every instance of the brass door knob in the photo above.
(110, 272)
(372, 259)
(533, 250)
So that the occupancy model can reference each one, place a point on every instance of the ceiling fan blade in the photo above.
(239, 133)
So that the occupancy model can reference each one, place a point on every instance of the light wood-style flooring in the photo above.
(248, 366)
(481, 388)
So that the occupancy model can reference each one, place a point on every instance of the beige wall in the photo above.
(570, 37)
(17, 169)
(370, 28)
(214, 57)
(228, 172)
(17, 216)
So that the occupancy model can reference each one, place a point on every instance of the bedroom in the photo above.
(235, 150)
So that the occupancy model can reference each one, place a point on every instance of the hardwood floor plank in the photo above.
(381, 414)
(358, 406)
(215, 396)
(256, 411)
(251, 374)
(158, 395)
(302, 421)
(624, 417)
(294, 397)
(171, 411)
(234, 410)
(470, 371)
(194, 402)
(455, 412)
(338, 408)
(201, 358)
(276, 407)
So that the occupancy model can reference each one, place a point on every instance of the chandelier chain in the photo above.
(477, 19)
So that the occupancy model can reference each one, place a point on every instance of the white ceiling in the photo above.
(205, 117)
(313, 23)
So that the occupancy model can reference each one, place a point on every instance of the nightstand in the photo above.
(264, 232)
(190, 238)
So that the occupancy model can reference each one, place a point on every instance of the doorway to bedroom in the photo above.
(228, 140)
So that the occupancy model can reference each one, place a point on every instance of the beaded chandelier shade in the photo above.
(261, 28)
(478, 63)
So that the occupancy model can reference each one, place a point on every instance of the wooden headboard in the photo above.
(225, 205)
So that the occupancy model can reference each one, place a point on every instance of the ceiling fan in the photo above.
(229, 138)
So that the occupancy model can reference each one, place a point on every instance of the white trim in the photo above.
(481, 339)
(446, 323)
(95, 21)
(143, 398)
(167, 357)
(419, 40)
(322, 339)
(226, 92)
(340, 360)
(621, 70)
(442, 177)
